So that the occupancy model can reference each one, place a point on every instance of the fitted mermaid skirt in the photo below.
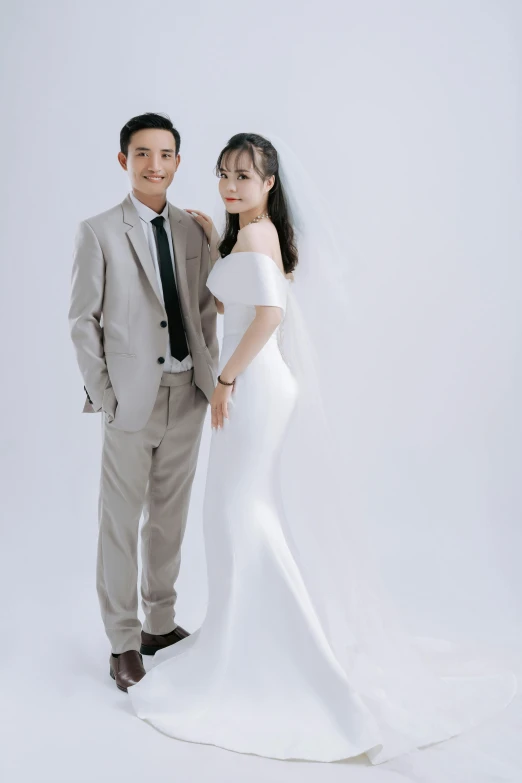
(260, 675)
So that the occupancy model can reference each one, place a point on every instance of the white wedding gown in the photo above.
(260, 676)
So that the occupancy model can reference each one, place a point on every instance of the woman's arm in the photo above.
(256, 238)
(213, 244)
(266, 321)
(210, 231)
(213, 241)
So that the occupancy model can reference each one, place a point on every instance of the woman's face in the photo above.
(240, 186)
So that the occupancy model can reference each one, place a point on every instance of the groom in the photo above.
(143, 324)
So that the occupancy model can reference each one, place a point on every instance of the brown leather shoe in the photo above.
(127, 669)
(151, 642)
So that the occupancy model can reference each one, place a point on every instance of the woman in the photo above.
(270, 671)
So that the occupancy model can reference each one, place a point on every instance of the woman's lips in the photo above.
(232, 199)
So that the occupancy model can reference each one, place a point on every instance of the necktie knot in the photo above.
(158, 221)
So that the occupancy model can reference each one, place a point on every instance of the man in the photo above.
(143, 324)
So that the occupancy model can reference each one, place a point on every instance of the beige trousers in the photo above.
(151, 471)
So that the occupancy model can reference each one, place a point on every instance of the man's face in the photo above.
(151, 161)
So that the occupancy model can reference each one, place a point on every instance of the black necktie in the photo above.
(178, 341)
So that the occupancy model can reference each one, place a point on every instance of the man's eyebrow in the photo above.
(147, 149)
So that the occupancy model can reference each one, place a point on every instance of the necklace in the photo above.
(257, 219)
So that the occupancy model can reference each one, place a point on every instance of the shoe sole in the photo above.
(147, 649)
(118, 686)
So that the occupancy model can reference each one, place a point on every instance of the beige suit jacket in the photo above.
(116, 311)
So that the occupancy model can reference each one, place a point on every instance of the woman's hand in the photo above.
(219, 404)
(204, 221)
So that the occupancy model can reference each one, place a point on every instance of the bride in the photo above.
(299, 656)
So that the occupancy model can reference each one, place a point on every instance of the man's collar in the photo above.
(146, 213)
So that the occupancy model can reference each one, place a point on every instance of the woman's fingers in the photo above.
(198, 215)
(219, 412)
(203, 220)
(217, 416)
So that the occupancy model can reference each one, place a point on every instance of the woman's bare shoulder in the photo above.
(260, 238)
(257, 231)
(257, 238)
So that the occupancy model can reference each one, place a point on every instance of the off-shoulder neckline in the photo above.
(255, 252)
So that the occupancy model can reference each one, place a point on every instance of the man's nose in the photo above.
(155, 164)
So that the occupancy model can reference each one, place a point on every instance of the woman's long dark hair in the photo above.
(277, 206)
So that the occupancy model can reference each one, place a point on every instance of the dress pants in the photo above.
(151, 471)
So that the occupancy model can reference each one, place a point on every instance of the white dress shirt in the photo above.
(146, 215)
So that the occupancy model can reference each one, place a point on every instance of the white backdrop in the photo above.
(408, 115)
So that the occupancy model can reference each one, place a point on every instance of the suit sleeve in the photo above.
(207, 306)
(85, 311)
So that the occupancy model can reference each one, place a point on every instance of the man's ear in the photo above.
(123, 160)
(178, 161)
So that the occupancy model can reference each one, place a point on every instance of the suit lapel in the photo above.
(139, 243)
(179, 241)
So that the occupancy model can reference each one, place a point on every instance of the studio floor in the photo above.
(64, 721)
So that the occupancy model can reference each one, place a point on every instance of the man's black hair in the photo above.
(149, 120)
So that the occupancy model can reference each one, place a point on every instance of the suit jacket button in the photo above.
(161, 360)
(163, 324)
